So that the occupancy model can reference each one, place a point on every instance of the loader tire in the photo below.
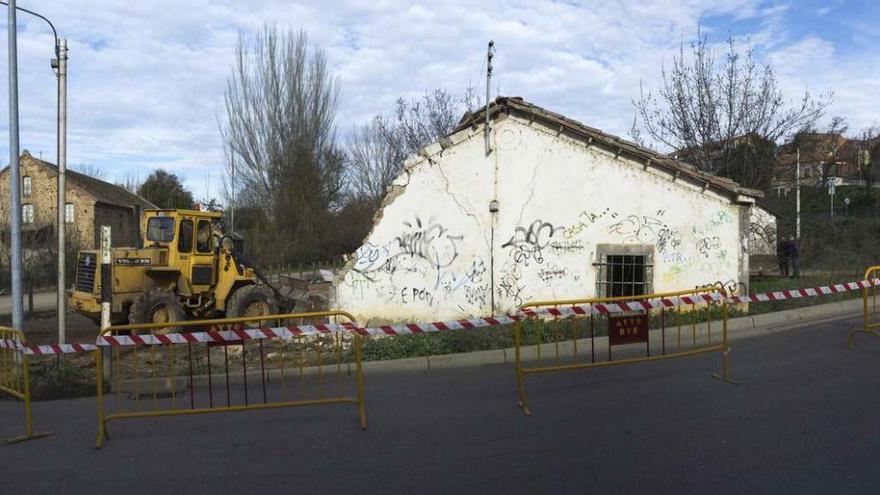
(157, 306)
(251, 301)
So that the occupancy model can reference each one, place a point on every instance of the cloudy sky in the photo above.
(147, 78)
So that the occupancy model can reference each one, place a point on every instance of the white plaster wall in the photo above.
(430, 257)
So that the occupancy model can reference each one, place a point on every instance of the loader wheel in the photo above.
(251, 301)
(157, 306)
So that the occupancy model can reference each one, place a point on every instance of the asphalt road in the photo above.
(804, 420)
(42, 301)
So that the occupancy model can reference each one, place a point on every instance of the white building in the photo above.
(556, 210)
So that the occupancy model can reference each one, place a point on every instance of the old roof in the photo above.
(104, 192)
(533, 113)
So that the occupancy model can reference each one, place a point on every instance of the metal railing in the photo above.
(15, 378)
(224, 365)
(581, 339)
(870, 314)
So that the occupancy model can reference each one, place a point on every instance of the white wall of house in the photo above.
(434, 250)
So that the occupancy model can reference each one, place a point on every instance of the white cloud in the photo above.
(146, 78)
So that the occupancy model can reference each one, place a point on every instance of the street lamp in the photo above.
(59, 65)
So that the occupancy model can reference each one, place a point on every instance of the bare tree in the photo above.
(706, 110)
(376, 154)
(90, 170)
(281, 101)
(377, 150)
(422, 121)
(131, 182)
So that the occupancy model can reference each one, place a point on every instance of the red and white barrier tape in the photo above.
(238, 334)
(48, 350)
(806, 292)
(622, 307)
(235, 335)
(438, 326)
(10, 344)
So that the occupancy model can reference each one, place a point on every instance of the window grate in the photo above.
(624, 275)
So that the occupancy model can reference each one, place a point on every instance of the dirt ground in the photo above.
(42, 328)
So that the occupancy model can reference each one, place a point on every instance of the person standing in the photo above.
(794, 256)
(782, 256)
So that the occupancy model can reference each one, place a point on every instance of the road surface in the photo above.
(43, 301)
(804, 420)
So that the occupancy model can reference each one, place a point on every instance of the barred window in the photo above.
(26, 186)
(27, 213)
(624, 270)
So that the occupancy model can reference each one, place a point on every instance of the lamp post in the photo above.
(14, 174)
(59, 65)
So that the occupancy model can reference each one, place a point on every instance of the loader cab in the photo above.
(187, 237)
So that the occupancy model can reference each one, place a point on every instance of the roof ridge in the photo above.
(103, 196)
(505, 104)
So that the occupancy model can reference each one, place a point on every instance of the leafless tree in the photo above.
(131, 182)
(422, 121)
(376, 154)
(281, 101)
(706, 110)
(377, 150)
(91, 170)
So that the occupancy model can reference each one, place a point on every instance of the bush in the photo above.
(61, 379)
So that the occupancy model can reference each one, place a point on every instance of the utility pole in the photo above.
(490, 53)
(15, 173)
(797, 198)
(60, 63)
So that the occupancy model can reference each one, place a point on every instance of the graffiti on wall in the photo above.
(421, 246)
(586, 219)
(424, 248)
(527, 243)
(426, 263)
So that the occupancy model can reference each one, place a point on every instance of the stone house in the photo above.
(90, 203)
(556, 210)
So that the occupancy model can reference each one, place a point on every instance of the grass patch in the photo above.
(61, 379)
(778, 284)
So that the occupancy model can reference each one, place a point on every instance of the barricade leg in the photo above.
(725, 349)
(26, 397)
(362, 411)
(99, 380)
(519, 373)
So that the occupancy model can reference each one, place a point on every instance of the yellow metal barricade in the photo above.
(871, 318)
(210, 366)
(582, 332)
(15, 378)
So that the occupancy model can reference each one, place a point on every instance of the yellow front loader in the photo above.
(186, 268)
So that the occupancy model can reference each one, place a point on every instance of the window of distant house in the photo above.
(68, 212)
(27, 213)
(26, 186)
